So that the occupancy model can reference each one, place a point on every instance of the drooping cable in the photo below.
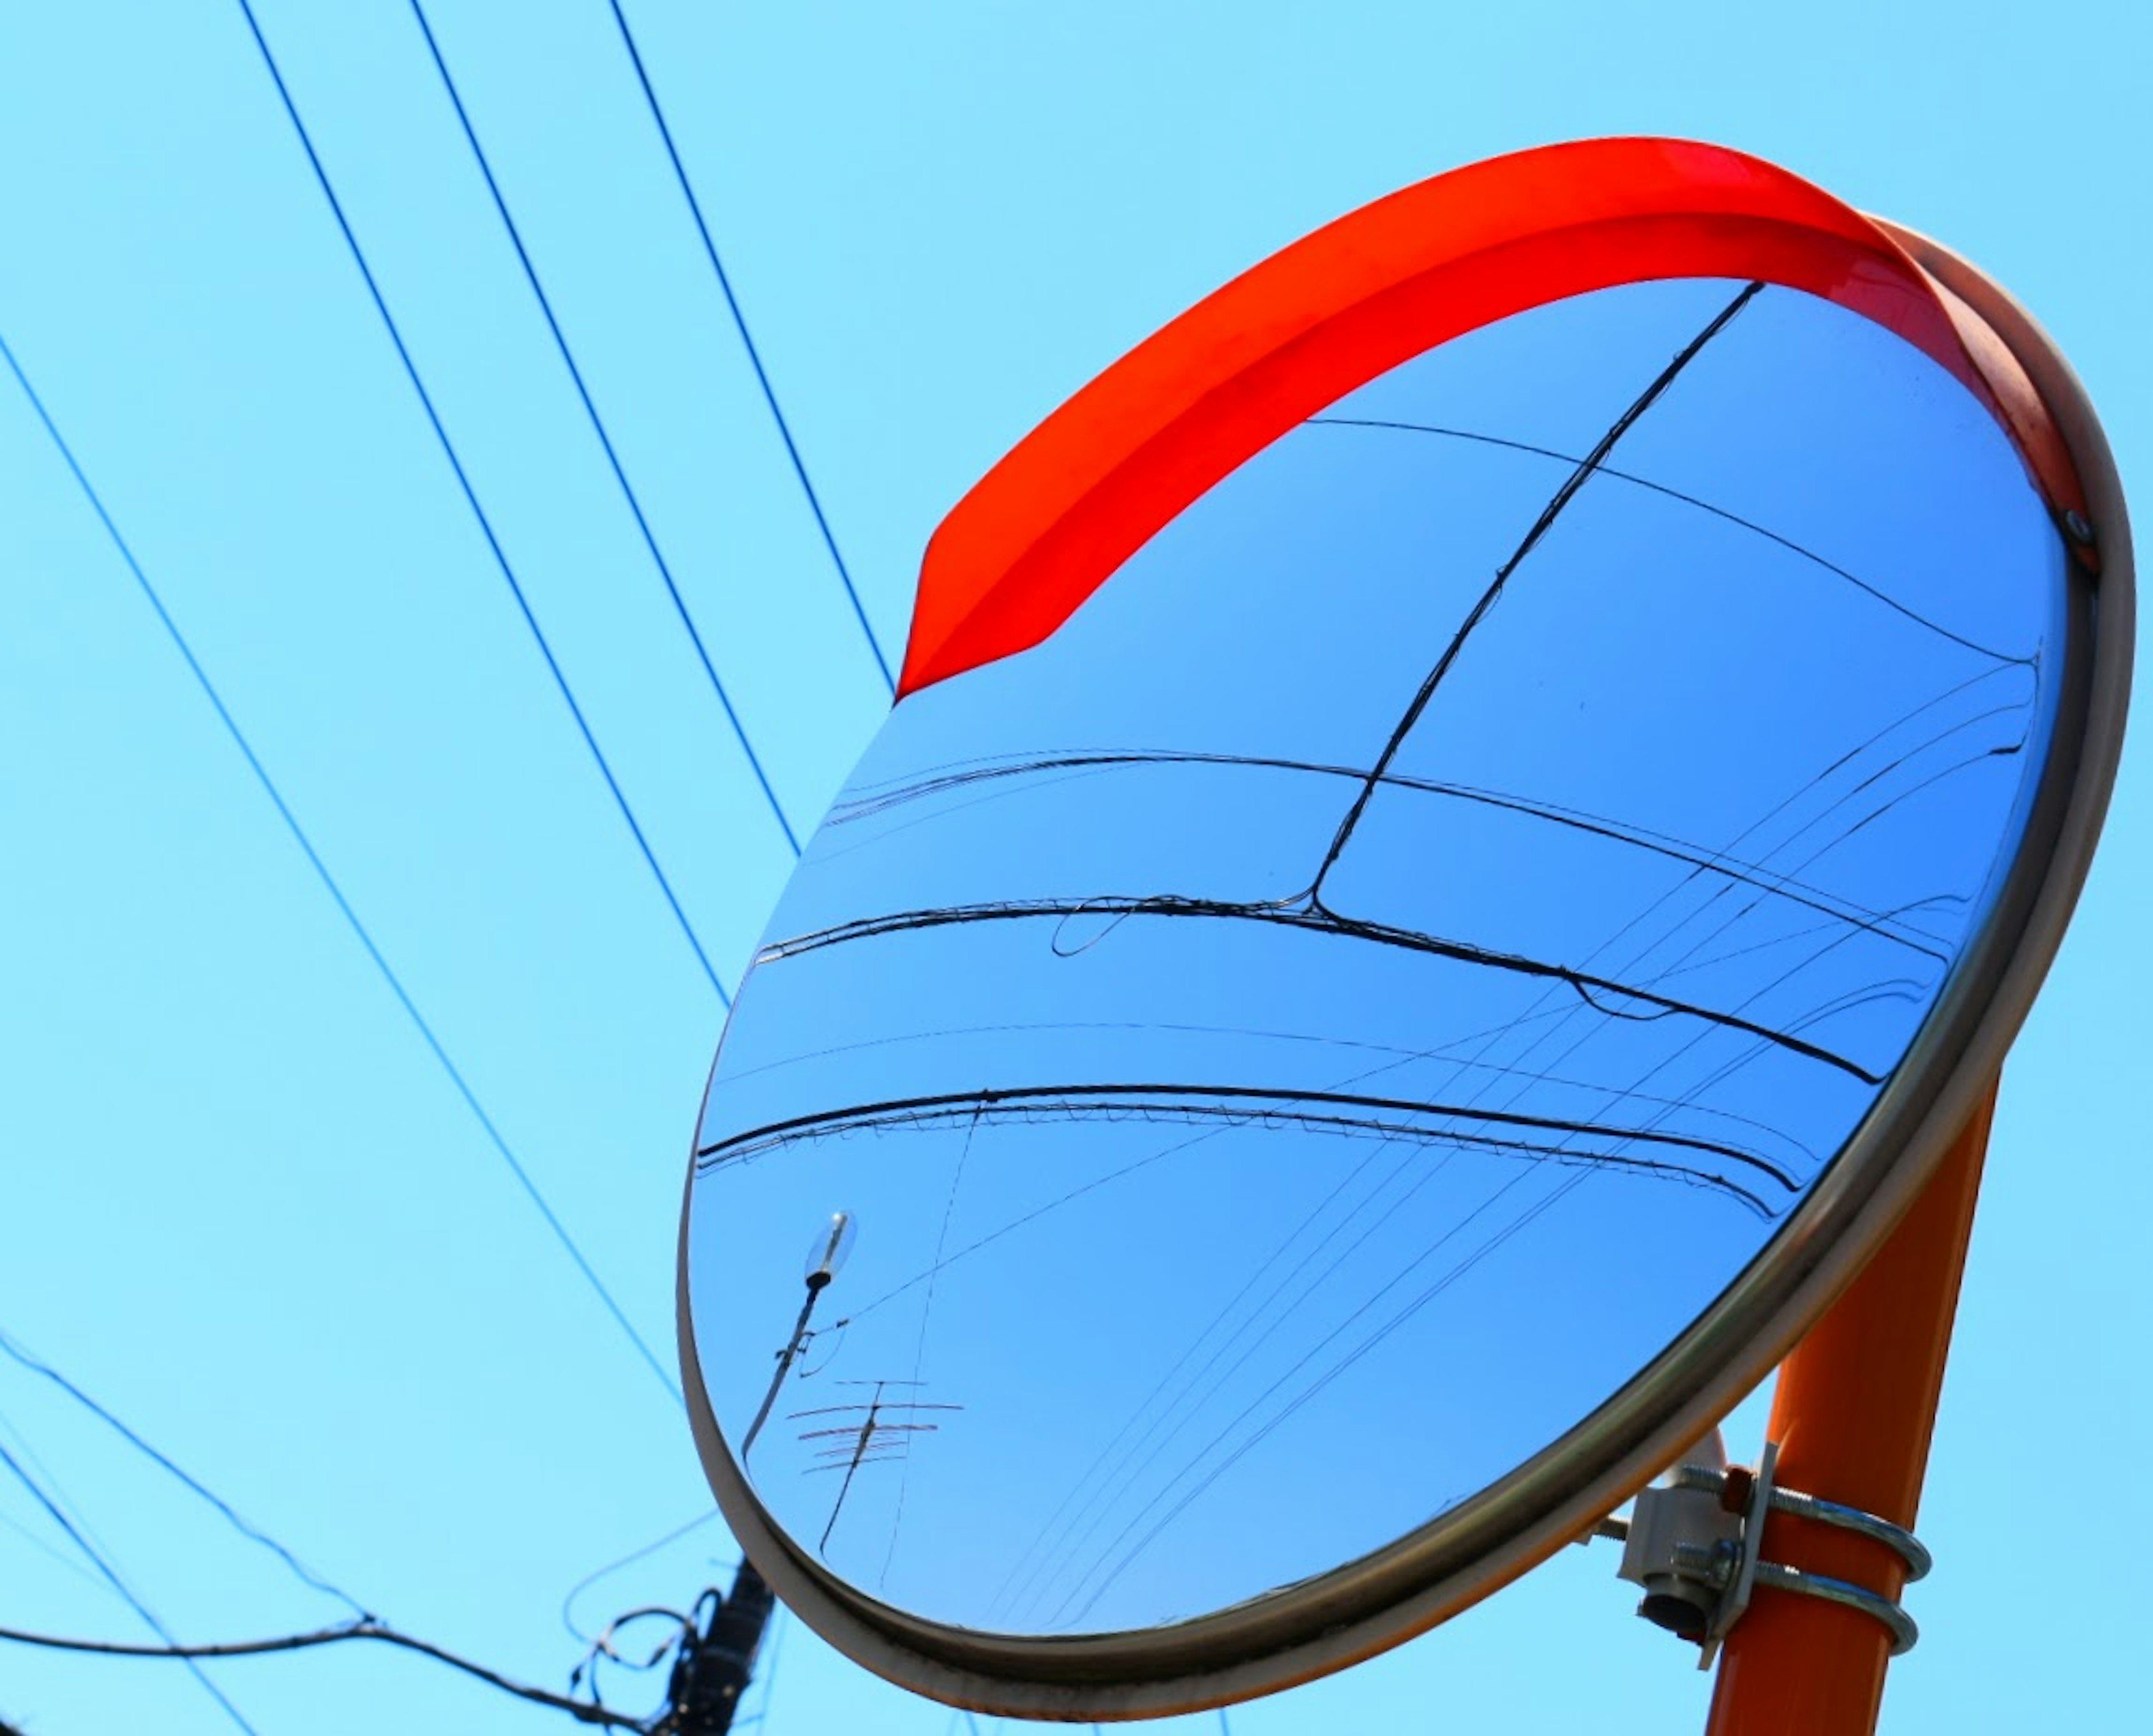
(747, 344)
(478, 512)
(365, 1624)
(598, 428)
(605, 1647)
(329, 884)
(376, 1631)
(10, 1346)
(110, 1575)
(635, 1555)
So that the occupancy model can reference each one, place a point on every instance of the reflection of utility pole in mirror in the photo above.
(825, 1258)
(871, 1440)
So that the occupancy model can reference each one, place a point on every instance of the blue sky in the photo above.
(245, 1208)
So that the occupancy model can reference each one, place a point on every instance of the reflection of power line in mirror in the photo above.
(1501, 1237)
(1696, 855)
(1302, 915)
(883, 1435)
(1736, 519)
(1381, 1117)
(1540, 528)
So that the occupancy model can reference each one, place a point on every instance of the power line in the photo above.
(748, 342)
(365, 1625)
(46, 1550)
(11, 1347)
(111, 1577)
(485, 524)
(330, 885)
(598, 428)
(352, 1630)
(28, 1456)
(634, 1556)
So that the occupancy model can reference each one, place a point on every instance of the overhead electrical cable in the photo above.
(37, 1365)
(485, 524)
(598, 428)
(46, 1550)
(353, 1631)
(365, 1624)
(110, 1574)
(28, 1456)
(747, 344)
(590, 1579)
(329, 884)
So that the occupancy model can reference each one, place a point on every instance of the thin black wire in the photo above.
(1680, 962)
(111, 1577)
(1309, 917)
(373, 1631)
(1817, 782)
(1441, 1285)
(328, 880)
(748, 342)
(634, 1556)
(46, 1550)
(1642, 838)
(598, 428)
(485, 524)
(1099, 1478)
(1787, 543)
(36, 1365)
(1403, 1052)
(926, 1317)
(1172, 1101)
(605, 1648)
(1578, 477)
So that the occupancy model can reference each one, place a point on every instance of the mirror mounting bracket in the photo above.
(1692, 1543)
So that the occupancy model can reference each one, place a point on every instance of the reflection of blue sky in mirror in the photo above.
(1262, 1181)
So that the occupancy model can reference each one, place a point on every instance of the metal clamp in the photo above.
(1691, 1544)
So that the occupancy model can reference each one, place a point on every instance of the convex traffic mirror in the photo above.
(1460, 828)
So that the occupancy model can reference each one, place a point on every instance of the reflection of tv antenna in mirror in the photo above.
(882, 1435)
(826, 1257)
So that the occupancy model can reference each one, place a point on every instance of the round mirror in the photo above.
(1360, 1036)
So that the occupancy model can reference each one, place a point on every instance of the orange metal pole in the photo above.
(1853, 1413)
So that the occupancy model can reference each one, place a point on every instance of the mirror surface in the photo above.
(1299, 1040)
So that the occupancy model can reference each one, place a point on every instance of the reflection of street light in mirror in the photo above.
(825, 1258)
(831, 1246)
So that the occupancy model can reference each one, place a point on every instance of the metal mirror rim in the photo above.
(1327, 1624)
